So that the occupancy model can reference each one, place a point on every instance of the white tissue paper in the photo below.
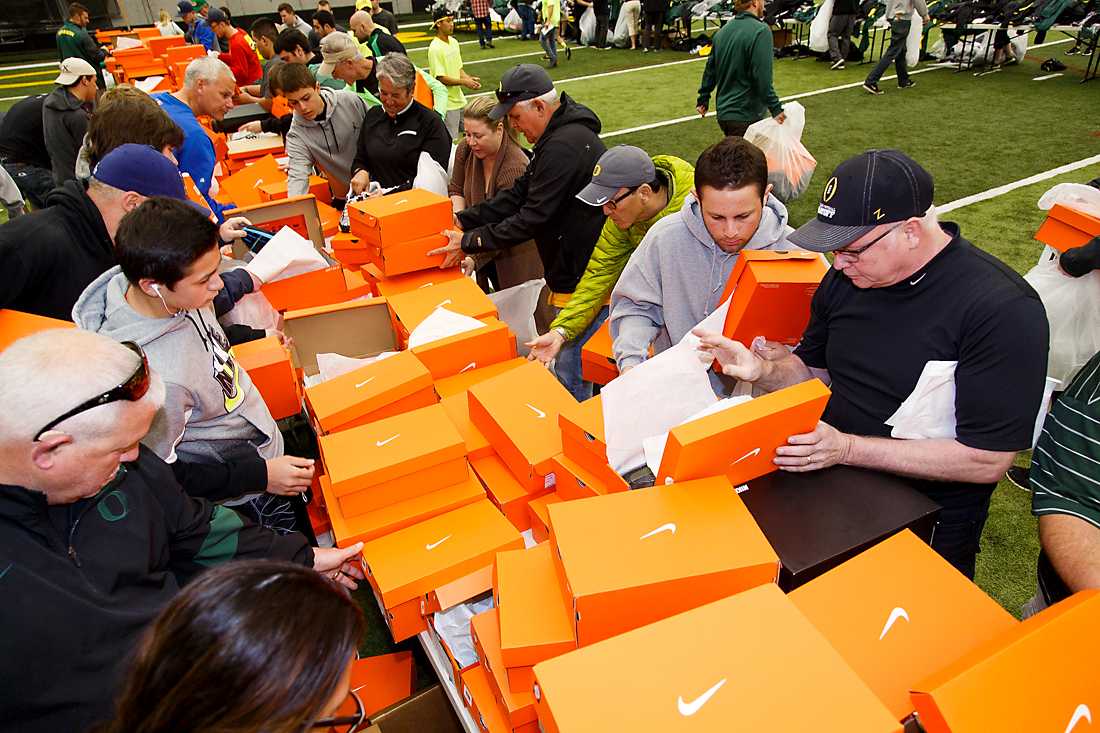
(287, 254)
(516, 306)
(123, 42)
(657, 395)
(148, 84)
(441, 324)
(331, 366)
(655, 446)
(929, 412)
(453, 627)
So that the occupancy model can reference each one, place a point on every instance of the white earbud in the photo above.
(156, 289)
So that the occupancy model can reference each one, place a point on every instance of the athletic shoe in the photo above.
(645, 50)
(838, 64)
(872, 88)
(1019, 476)
(907, 85)
(490, 45)
(1073, 51)
(568, 53)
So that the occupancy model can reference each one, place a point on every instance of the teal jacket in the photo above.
(740, 66)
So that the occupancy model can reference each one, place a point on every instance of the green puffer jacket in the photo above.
(614, 248)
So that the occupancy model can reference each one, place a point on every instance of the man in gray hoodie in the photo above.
(324, 132)
(161, 298)
(65, 115)
(679, 271)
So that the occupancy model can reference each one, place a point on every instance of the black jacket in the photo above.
(388, 149)
(81, 582)
(542, 204)
(22, 140)
(64, 122)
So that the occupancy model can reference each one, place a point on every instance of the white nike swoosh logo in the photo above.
(687, 709)
(364, 383)
(914, 282)
(538, 413)
(468, 367)
(894, 616)
(406, 132)
(401, 202)
(259, 182)
(750, 454)
(669, 527)
(434, 545)
(381, 443)
(445, 302)
(1082, 712)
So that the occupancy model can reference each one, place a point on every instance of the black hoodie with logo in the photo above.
(542, 204)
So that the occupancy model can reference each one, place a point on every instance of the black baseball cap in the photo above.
(623, 166)
(217, 15)
(440, 13)
(876, 187)
(522, 81)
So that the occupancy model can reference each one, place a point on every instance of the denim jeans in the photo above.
(549, 41)
(484, 30)
(895, 53)
(527, 15)
(567, 367)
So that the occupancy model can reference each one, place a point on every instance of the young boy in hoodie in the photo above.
(161, 297)
(678, 273)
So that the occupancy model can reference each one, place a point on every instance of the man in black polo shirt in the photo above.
(906, 291)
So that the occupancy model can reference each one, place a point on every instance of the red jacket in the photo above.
(242, 60)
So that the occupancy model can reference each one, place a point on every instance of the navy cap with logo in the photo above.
(217, 15)
(185, 7)
(876, 187)
(522, 81)
(623, 166)
(141, 169)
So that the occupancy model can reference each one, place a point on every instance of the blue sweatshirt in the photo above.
(196, 155)
(201, 32)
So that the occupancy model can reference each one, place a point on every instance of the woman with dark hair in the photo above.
(248, 647)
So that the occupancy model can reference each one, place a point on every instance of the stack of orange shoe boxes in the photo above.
(397, 231)
(461, 295)
(771, 294)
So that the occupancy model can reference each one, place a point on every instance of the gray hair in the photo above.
(48, 373)
(549, 98)
(398, 69)
(205, 68)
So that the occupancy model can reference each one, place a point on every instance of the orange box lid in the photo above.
(415, 560)
(1066, 228)
(535, 615)
(359, 392)
(255, 147)
(343, 240)
(461, 296)
(14, 325)
(403, 215)
(255, 354)
(380, 681)
(278, 189)
(360, 457)
(308, 290)
(1038, 676)
(771, 294)
(485, 632)
(567, 471)
(357, 329)
(490, 344)
(380, 522)
(298, 212)
(740, 441)
(884, 612)
(408, 256)
(584, 422)
(397, 284)
(518, 412)
(458, 410)
(467, 587)
(499, 483)
(479, 699)
(750, 662)
(539, 507)
(598, 347)
(243, 187)
(460, 384)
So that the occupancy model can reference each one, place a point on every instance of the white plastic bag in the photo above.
(253, 310)
(819, 27)
(430, 175)
(790, 165)
(912, 42)
(512, 21)
(1074, 195)
(516, 306)
(1073, 311)
(588, 26)
(453, 627)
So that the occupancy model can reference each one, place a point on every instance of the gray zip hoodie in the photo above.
(675, 278)
(329, 144)
(212, 412)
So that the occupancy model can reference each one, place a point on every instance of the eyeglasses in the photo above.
(132, 390)
(345, 723)
(855, 253)
(614, 203)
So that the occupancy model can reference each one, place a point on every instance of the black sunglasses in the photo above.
(351, 721)
(132, 390)
(614, 203)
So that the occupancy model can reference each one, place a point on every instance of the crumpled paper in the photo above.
(441, 324)
(287, 254)
(929, 411)
(453, 627)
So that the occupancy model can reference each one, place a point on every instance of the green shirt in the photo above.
(740, 66)
(72, 40)
(445, 59)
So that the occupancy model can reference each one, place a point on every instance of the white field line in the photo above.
(1008, 187)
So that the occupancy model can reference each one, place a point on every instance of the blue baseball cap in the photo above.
(141, 169)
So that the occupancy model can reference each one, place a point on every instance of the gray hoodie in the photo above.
(212, 412)
(64, 122)
(329, 144)
(675, 278)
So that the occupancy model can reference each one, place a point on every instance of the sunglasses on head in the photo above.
(132, 390)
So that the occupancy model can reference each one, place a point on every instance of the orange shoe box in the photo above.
(539, 513)
(380, 681)
(245, 187)
(408, 256)
(308, 290)
(356, 329)
(598, 358)
(583, 424)
(573, 480)
(507, 494)
(632, 558)
(458, 410)
(330, 219)
(398, 217)
(454, 668)
(359, 283)
(269, 367)
(404, 620)
(771, 295)
(461, 296)
(741, 440)
(385, 388)
(483, 707)
(518, 412)
(1066, 228)
(249, 148)
(458, 591)
(519, 707)
(276, 190)
(300, 213)
(14, 325)
(884, 611)
(393, 459)
(399, 515)
(750, 662)
(464, 352)
(460, 383)
(391, 286)
(535, 614)
(407, 564)
(1038, 676)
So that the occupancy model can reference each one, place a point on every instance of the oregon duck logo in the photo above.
(114, 506)
(596, 170)
(830, 191)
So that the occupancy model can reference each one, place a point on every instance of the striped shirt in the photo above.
(1065, 468)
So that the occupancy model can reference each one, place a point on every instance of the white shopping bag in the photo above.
(430, 175)
(790, 165)
(516, 306)
(1074, 195)
(929, 411)
(285, 255)
(912, 43)
(1073, 311)
(819, 27)
(588, 26)
(512, 21)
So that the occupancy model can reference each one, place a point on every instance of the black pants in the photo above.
(734, 128)
(33, 182)
(840, 36)
(603, 17)
(958, 533)
(895, 54)
(654, 27)
(484, 30)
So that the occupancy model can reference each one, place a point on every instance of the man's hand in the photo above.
(545, 347)
(289, 475)
(781, 117)
(452, 251)
(359, 182)
(343, 566)
(733, 357)
(825, 446)
(701, 109)
(233, 228)
(468, 266)
(253, 127)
